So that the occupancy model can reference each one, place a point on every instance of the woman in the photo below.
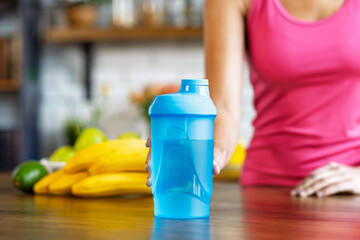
(304, 59)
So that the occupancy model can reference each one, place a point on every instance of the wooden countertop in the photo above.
(236, 213)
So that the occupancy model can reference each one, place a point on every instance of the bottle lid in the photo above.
(198, 82)
(193, 98)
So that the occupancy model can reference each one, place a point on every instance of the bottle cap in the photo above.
(193, 98)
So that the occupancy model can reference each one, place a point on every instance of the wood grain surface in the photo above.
(236, 213)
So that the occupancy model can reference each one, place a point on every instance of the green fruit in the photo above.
(27, 174)
(62, 154)
(129, 135)
(65, 157)
(89, 137)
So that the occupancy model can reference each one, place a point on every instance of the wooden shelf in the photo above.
(73, 35)
(86, 37)
(9, 85)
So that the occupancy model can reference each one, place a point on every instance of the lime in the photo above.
(89, 137)
(27, 174)
(62, 154)
(129, 135)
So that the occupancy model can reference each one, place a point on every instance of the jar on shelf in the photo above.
(153, 13)
(195, 18)
(124, 13)
(176, 13)
(104, 15)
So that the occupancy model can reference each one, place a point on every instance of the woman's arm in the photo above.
(224, 50)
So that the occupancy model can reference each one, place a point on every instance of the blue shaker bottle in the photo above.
(182, 143)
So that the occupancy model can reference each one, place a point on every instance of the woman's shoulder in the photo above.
(241, 5)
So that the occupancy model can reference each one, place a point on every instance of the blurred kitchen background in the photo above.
(69, 64)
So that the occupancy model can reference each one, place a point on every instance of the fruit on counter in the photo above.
(42, 186)
(118, 167)
(89, 137)
(62, 154)
(239, 154)
(27, 174)
(84, 159)
(62, 186)
(121, 161)
(112, 184)
(232, 170)
(129, 135)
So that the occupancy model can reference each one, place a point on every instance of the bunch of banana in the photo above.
(85, 158)
(110, 168)
(232, 170)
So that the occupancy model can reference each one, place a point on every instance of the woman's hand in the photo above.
(219, 160)
(328, 180)
(218, 164)
(148, 162)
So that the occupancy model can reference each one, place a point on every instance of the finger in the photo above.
(148, 180)
(313, 179)
(148, 142)
(314, 175)
(216, 168)
(148, 161)
(322, 171)
(344, 186)
(323, 183)
(219, 161)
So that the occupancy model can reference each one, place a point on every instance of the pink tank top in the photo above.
(306, 80)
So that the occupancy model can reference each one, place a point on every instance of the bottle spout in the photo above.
(195, 86)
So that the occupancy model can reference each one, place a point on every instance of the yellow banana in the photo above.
(120, 161)
(42, 186)
(239, 154)
(62, 186)
(86, 157)
(229, 173)
(112, 184)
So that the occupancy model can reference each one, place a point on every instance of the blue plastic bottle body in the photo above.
(182, 165)
(182, 159)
